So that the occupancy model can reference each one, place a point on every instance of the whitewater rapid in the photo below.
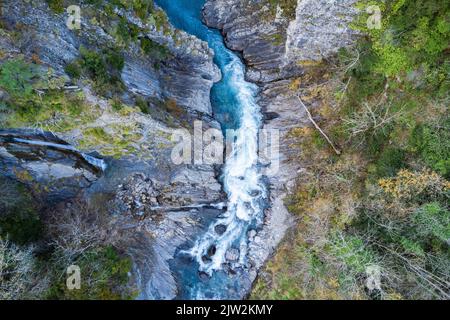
(242, 180)
(234, 104)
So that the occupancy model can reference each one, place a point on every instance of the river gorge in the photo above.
(234, 106)
(109, 97)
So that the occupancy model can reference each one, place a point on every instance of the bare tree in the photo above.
(76, 228)
(18, 276)
(338, 152)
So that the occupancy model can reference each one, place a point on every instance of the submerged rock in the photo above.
(232, 254)
(203, 276)
(211, 251)
(220, 229)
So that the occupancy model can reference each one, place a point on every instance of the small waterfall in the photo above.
(95, 162)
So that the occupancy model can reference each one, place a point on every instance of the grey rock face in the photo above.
(320, 29)
(138, 196)
(248, 27)
(48, 164)
(187, 77)
(273, 46)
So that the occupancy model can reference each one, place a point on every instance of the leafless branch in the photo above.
(338, 152)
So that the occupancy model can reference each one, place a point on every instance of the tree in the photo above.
(17, 273)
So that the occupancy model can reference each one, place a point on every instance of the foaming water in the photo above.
(234, 105)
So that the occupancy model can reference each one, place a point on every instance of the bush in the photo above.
(352, 251)
(127, 31)
(413, 33)
(415, 186)
(82, 234)
(288, 6)
(19, 220)
(390, 162)
(16, 77)
(432, 143)
(73, 70)
(154, 49)
(104, 68)
(104, 276)
(56, 5)
(114, 59)
(432, 221)
(142, 104)
(142, 8)
(94, 64)
(18, 277)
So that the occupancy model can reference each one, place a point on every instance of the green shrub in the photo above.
(114, 59)
(117, 104)
(104, 68)
(73, 70)
(432, 143)
(94, 63)
(390, 162)
(16, 77)
(142, 104)
(154, 49)
(142, 8)
(19, 219)
(288, 6)
(127, 31)
(104, 275)
(56, 5)
(352, 252)
(432, 220)
(413, 33)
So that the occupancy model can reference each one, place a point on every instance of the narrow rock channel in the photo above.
(219, 255)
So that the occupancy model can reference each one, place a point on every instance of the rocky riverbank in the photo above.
(163, 203)
(277, 46)
(165, 79)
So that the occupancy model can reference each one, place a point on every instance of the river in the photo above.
(203, 272)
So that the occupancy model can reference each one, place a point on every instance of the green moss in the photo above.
(97, 133)
(56, 110)
(288, 6)
(117, 144)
